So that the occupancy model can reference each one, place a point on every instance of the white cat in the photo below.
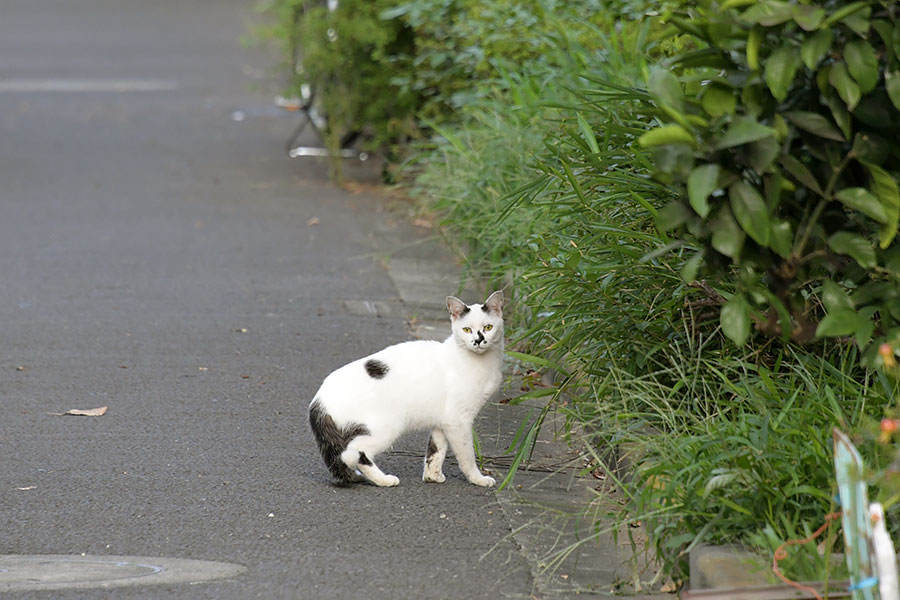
(363, 407)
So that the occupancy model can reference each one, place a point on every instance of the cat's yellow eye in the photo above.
(467, 329)
(488, 327)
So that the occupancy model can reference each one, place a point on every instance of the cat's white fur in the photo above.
(364, 406)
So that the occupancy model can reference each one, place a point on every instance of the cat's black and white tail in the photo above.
(333, 440)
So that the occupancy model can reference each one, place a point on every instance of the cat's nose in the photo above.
(479, 339)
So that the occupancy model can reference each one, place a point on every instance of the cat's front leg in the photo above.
(460, 438)
(434, 458)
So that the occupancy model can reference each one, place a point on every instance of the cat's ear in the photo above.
(494, 303)
(456, 307)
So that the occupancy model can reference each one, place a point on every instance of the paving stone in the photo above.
(728, 566)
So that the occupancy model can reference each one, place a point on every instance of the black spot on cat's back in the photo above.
(376, 369)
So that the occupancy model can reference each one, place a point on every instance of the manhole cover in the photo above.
(53, 572)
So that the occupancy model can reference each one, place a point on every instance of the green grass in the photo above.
(542, 188)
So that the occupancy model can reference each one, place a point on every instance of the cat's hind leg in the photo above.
(434, 458)
(359, 454)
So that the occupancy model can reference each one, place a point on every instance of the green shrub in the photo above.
(349, 57)
(725, 444)
(779, 136)
(385, 66)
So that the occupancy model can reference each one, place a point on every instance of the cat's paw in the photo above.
(483, 481)
(388, 481)
(432, 478)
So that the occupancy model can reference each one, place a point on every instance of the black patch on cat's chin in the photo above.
(376, 369)
(364, 460)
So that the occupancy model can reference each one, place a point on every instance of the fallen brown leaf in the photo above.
(313, 221)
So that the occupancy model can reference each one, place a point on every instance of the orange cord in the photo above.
(781, 554)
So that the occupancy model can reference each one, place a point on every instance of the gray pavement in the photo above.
(171, 263)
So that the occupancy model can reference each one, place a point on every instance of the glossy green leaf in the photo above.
(862, 64)
(815, 123)
(854, 246)
(884, 29)
(892, 84)
(892, 261)
(718, 100)
(675, 160)
(839, 112)
(871, 147)
(702, 181)
(743, 130)
(808, 17)
(840, 322)
(751, 212)
(665, 88)
(864, 201)
(799, 172)
(727, 236)
(815, 46)
(895, 40)
(671, 216)
(858, 21)
(844, 12)
(834, 297)
(754, 40)
(886, 188)
(782, 238)
(735, 319)
(839, 77)
(667, 134)
(866, 326)
(780, 70)
(768, 13)
(762, 153)
(729, 4)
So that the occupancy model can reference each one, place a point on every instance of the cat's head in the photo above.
(477, 327)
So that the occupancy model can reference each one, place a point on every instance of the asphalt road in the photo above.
(157, 257)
